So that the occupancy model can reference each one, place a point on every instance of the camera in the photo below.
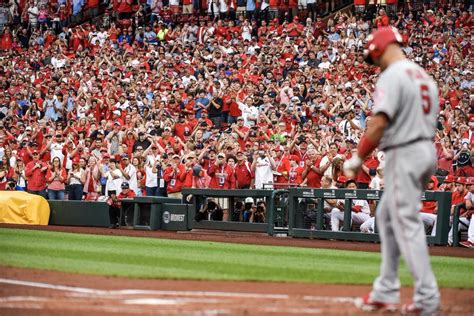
(10, 186)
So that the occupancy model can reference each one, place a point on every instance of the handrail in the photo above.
(456, 213)
(271, 210)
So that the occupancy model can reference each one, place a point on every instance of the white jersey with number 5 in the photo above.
(409, 97)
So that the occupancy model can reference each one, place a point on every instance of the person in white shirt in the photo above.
(33, 12)
(349, 125)
(114, 178)
(263, 165)
(76, 180)
(469, 202)
(56, 147)
(377, 182)
(129, 173)
(223, 9)
(360, 209)
(151, 177)
(326, 162)
(249, 112)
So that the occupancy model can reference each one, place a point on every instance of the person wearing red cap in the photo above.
(403, 125)
(461, 196)
(430, 208)
(469, 202)
(459, 193)
(340, 182)
(448, 184)
(35, 172)
(76, 179)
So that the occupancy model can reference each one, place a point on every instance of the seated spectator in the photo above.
(115, 203)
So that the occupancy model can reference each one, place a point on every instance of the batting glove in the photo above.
(352, 165)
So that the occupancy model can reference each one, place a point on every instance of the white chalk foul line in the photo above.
(140, 292)
(332, 299)
(128, 292)
(23, 299)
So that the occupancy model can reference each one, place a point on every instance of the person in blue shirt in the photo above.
(150, 36)
(201, 103)
(250, 9)
(334, 35)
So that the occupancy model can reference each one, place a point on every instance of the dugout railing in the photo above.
(456, 223)
(317, 196)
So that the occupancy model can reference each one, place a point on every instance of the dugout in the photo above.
(228, 199)
(142, 213)
(303, 196)
(153, 213)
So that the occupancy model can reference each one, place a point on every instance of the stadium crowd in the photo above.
(222, 103)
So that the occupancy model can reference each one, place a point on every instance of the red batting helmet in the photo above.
(378, 41)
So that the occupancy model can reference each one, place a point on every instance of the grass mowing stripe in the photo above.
(157, 258)
(297, 271)
(262, 259)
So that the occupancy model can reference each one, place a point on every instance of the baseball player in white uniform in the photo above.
(403, 125)
(360, 210)
(467, 219)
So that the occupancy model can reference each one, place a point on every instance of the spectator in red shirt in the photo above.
(174, 175)
(243, 173)
(36, 175)
(382, 20)
(222, 175)
(115, 203)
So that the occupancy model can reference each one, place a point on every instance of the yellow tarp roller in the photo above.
(18, 207)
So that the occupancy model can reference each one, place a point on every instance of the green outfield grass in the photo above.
(178, 259)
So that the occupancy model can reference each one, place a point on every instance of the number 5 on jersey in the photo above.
(425, 98)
